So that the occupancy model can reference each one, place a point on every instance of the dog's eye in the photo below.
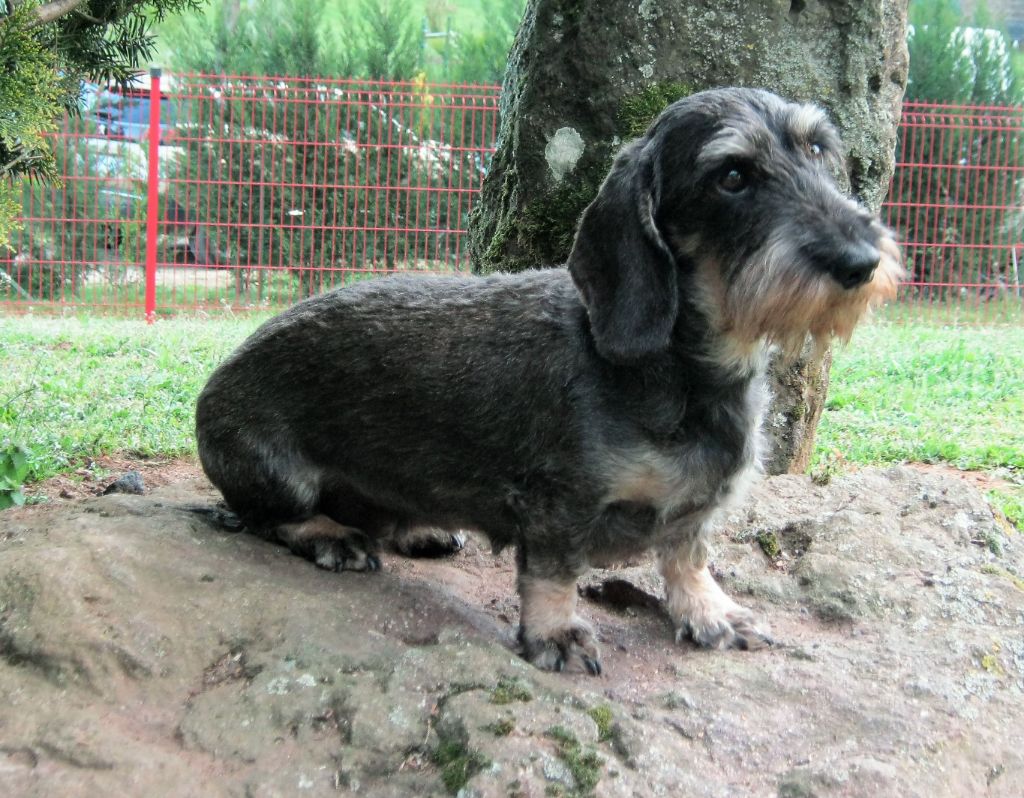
(733, 181)
(816, 150)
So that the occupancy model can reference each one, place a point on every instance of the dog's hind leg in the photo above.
(551, 634)
(341, 502)
(699, 608)
(287, 505)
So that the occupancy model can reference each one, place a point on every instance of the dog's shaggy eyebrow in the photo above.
(807, 124)
(732, 142)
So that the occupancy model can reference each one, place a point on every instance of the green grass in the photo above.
(602, 716)
(584, 764)
(458, 763)
(959, 310)
(1010, 503)
(168, 298)
(73, 389)
(928, 394)
(76, 388)
(508, 690)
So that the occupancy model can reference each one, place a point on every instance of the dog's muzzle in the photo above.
(853, 264)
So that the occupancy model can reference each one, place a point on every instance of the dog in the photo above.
(584, 414)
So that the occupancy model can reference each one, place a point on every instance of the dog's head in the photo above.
(728, 208)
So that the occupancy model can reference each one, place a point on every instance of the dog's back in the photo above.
(373, 395)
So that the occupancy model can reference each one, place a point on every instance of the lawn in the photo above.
(75, 388)
(928, 394)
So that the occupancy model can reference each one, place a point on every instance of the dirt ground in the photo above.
(145, 652)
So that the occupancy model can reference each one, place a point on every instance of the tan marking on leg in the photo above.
(429, 539)
(701, 609)
(552, 634)
(692, 593)
(547, 607)
(329, 545)
(319, 526)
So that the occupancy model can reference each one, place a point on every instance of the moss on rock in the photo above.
(458, 763)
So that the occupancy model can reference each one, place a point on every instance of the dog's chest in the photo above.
(690, 474)
(688, 481)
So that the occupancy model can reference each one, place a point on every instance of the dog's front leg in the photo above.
(551, 633)
(699, 608)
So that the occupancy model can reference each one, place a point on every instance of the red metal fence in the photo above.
(263, 190)
(957, 202)
(249, 192)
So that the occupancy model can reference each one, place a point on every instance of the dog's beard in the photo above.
(777, 297)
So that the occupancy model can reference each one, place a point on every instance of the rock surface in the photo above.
(143, 652)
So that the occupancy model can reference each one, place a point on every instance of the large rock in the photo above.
(585, 76)
(143, 652)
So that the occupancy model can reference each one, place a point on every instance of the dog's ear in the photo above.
(621, 264)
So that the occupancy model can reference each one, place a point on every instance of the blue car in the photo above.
(124, 114)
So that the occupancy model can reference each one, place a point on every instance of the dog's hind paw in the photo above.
(330, 545)
(334, 554)
(563, 648)
(737, 629)
(426, 541)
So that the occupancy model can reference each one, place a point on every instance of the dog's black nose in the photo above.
(854, 264)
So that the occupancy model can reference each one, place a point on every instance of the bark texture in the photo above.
(586, 75)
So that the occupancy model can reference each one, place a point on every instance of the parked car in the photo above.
(124, 114)
(116, 151)
(186, 238)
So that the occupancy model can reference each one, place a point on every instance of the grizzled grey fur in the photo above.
(581, 415)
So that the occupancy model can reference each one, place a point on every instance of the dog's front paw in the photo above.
(576, 643)
(703, 612)
(734, 627)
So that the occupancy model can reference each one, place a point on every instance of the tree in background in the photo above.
(318, 183)
(303, 38)
(953, 60)
(956, 61)
(387, 40)
(391, 39)
(245, 39)
(481, 56)
(48, 49)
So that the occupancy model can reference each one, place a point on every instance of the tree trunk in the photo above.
(586, 75)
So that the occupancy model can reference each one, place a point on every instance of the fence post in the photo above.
(153, 192)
